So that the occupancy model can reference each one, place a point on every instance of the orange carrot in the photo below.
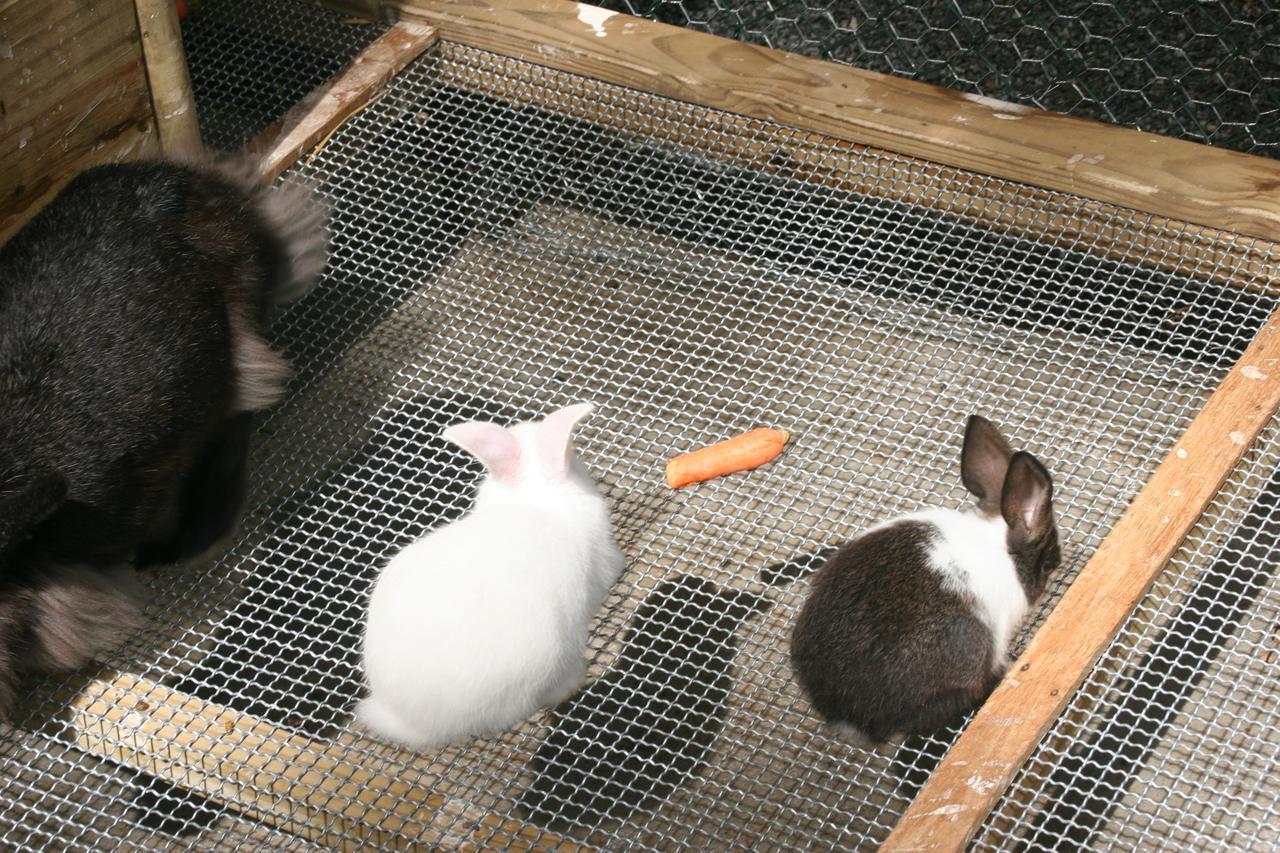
(740, 453)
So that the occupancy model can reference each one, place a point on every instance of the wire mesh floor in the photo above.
(1174, 740)
(250, 62)
(497, 254)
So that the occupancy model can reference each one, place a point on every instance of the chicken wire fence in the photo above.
(1200, 71)
(508, 239)
(1204, 71)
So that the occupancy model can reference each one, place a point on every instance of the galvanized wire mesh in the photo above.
(251, 61)
(1174, 740)
(508, 239)
(1200, 71)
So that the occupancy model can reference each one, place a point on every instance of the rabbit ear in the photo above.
(493, 445)
(983, 462)
(1027, 495)
(555, 437)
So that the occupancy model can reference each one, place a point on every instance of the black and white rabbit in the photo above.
(629, 739)
(132, 310)
(907, 627)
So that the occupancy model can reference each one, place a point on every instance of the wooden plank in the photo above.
(966, 785)
(172, 102)
(1171, 178)
(1028, 212)
(324, 110)
(73, 93)
(338, 795)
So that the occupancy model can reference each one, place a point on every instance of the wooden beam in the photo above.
(1167, 177)
(324, 110)
(1002, 736)
(337, 795)
(171, 99)
(73, 94)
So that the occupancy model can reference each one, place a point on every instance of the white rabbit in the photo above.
(483, 621)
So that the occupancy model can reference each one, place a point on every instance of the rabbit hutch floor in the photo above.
(508, 239)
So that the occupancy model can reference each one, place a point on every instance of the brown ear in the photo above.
(984, 461)
(1026, 502)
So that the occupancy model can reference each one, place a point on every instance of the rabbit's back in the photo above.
(970, 552)
(116, 351)
(478, 624)
(883, 632)
(113, 330)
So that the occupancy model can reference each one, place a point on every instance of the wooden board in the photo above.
(172, 102)
(322, 112)
(964, 788)
(1166, 177)
(330, 793)
(73, 93)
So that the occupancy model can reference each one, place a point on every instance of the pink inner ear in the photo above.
(555, 436)
(496, 448)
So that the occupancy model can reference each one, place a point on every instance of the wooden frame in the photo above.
(172, 103)
(73, 90)
(1232, 198)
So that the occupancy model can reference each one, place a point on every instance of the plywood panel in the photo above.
(73, 93)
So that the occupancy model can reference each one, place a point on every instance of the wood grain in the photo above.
(172, 102)
(340, 796)
(73, 93)
(1166, 177)
(325, 109)
(966, 785)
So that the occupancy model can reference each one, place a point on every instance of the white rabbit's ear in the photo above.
(984, 462)
(493, 445)
(555, 437)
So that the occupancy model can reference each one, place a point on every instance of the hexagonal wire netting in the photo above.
(1204, 71)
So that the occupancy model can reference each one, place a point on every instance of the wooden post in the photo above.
(171, 98)
(964, 788)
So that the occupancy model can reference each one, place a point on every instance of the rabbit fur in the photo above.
(483, 621)
(906, 628)
(132, 309)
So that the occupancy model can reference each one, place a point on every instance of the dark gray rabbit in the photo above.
(629, 739)
(906, 628)
(132, 309)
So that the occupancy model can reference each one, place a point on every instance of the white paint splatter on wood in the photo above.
(594, 17)
(1251, 372)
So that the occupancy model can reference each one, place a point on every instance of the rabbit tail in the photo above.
(57, 616)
